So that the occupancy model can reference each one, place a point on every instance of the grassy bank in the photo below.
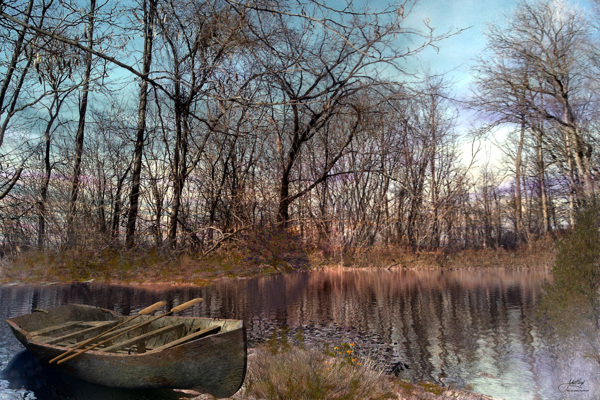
(251, 259)
(536, 255)
(291, 372)
(125, 267)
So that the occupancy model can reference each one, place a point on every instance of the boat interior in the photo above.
(121, 335)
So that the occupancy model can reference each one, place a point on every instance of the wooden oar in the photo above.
(145, 311)
(179, 308)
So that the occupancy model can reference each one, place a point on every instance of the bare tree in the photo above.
(54, 69)
(149, 19)
(83, 104)
(320, 66)
(24, 55)
(196, 39)
(538, 74)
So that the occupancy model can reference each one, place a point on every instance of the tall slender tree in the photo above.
(79, 136)
(149, 20)
(539, 73)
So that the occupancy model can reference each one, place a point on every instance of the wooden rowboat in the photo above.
(203, 354)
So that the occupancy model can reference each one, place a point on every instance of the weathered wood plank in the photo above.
(204, 332)
(55, 329)
(80, 334)
(114, 333)
(141, 338)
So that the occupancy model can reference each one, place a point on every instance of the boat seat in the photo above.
(141, 339)
(195, 335)
(78, 335)
(55, 329)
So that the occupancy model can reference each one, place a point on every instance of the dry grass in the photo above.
(121, 266)
(295, 373)
(306, 374)
(536, 255)
(248, 258)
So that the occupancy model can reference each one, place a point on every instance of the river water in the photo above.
(464, 328)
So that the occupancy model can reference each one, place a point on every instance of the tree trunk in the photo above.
(544, 214)
(177, 185)
(118, 204)
(18, 48)
(101, 205)
(572, 181)
(581, 154)
(79, 137)
(53, 114)
(518, 198)
(435, 231)
(179, 168)
(44, 189)
(158, 204)
(581, 151)
(149, 15)
(283, 210)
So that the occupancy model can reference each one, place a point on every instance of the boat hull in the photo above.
(215, 364)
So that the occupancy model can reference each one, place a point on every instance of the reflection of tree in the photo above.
(453, 322)
(571, 304)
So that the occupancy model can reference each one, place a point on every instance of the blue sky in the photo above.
(456, 54)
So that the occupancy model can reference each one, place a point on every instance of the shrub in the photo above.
(571, 304)
(306, 374)
(276, 248)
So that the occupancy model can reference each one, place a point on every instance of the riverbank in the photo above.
(311, 374)
(153, 266)
(287, 372)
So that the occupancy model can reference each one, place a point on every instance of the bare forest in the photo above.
(184, 125)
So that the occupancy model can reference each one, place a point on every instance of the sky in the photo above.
(456, 55)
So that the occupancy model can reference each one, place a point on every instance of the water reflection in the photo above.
(25, 373)
(455, 327)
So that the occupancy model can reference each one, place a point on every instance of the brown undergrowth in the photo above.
(128, 267)
(261, 251)
(263, 254)
(536, 255)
